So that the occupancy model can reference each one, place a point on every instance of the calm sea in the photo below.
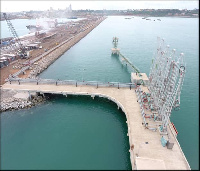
(81, 133)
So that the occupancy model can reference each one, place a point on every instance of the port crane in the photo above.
(22, 51)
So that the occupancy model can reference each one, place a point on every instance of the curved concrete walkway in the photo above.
(146, 151)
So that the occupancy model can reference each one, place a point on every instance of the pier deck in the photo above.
(146, 151)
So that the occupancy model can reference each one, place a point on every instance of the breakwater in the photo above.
(46, 59)
(41, 63)
(12, 102)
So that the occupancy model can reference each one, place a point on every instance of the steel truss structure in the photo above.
(165, 82)
(115, 42)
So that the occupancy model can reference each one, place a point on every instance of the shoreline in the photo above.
(38, 65)
(52, 55)
(186, 16)
(62, 36)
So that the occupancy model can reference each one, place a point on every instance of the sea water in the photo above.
(81, 133)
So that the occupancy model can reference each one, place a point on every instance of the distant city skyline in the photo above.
(18, 6)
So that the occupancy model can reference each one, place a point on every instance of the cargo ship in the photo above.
(73, 17)
(33, 28)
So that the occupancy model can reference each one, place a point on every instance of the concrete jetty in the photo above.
(146, 151)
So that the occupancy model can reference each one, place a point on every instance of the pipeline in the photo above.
(134, 68)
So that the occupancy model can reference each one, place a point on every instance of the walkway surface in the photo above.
(146, 151)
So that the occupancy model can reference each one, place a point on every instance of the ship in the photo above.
(73, 17)
(34, 28)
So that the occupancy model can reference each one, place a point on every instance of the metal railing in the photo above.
(58, 82)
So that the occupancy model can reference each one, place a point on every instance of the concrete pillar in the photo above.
(29, 96)
(42, 94)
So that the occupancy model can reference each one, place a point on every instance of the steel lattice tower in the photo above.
(165, 81)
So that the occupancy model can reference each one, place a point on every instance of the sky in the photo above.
(17, 6)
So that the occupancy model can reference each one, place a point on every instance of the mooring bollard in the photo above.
(76, 84)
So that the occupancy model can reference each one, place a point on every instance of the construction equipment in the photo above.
(22, 51)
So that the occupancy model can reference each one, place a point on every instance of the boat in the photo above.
(73, 17)
(34, 27)
(159, 19)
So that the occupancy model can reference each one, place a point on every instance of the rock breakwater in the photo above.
(12, 103)
(47, 60)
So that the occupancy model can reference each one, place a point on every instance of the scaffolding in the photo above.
(165, 82)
